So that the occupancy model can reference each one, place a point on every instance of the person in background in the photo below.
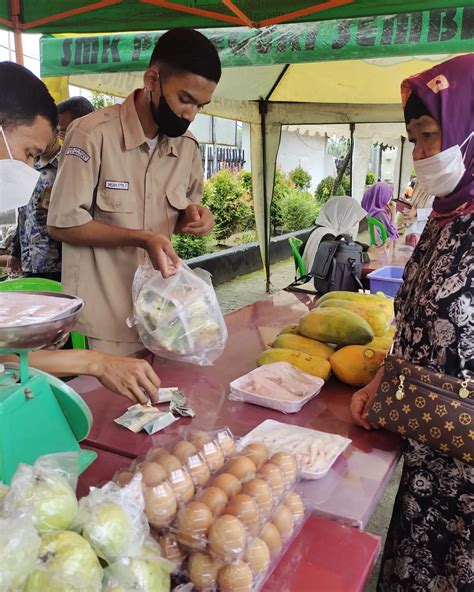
(28, 120)
(38, 255)
(130, 176)
(339, 215)
(429, 542)
(416, 216)
(376, 202)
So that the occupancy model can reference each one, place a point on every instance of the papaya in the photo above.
(384, 343)
(380, 301)
(336, 325)
(311, 364)
(356, 364)
(375, 316)
(289, 329)
(303, 344)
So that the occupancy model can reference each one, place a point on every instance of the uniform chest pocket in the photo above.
(176, 197)
(116, 200)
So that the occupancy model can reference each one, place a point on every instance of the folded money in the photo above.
(145, 417)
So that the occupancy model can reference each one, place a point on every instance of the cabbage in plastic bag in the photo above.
(19, 544)
(178, 318)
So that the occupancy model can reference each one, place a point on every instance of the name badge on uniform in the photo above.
(121, 185)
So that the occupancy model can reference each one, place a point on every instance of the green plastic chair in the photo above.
(42, 285)
(295, 243)
(373, 222)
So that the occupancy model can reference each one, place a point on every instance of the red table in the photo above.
(314, 558)
(397, 254)
(352, 488)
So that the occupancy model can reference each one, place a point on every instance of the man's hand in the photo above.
(162, 255)
(130, 377)
(196, 220)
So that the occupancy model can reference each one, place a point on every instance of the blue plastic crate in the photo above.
(386, 279)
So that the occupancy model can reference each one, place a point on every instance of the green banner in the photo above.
(418, 33)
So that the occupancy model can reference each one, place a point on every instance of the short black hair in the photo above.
(23, 97)
(76, 106)
(187, 50)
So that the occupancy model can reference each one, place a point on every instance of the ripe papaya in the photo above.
(336, 325)
(311, 364)
(381, 301)
(356, 364)
(303, 344)
(383, 343)
(289, 329)
(376, 317)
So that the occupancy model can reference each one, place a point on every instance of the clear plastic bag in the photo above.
(112, 519)
(45, 492)
(19, 544)
(178, 318)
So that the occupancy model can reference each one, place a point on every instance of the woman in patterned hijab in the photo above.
(429, 543)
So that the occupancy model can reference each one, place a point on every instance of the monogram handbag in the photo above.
(432, 408)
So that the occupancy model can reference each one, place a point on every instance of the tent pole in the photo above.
(263, 109)
(400, 168)
(15, 12)
(352, 128)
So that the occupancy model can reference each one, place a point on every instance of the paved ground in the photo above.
(248, 288)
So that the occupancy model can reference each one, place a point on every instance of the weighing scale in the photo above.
(39, 414)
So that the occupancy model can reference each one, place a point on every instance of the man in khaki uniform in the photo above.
(130, 176)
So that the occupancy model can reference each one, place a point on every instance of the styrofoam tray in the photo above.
(302, 442)
(289, 377)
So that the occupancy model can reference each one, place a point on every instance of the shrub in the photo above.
(324, 189)
(281, 189)
(370, 178)
(298, 210)
(188, 246)
(224, 196)
(346, 185)
(249, 236)
(301, 178)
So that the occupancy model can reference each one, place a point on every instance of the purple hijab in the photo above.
(447, 93)
(374, 203)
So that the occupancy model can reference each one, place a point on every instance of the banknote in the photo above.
(145, 417)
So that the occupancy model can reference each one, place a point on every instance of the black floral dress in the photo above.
(430, 540)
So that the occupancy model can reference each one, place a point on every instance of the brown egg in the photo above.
(198, 469)
(258, 556)
(242, 467)
(215, 499)
(203, 570)
(154, 453)
(123, 477)
(194, 521)
(169, 462)
(258, 453)
(213, 455)
(295, 503)
(182, 484)
(284, 521)
(235, 578)
(261, 492)
(152, 473)
(245, 509)
(199, 438)
(226, 537)
(229, 484)
(274, 477)
(160, 504)
(227, 444)
(271, 537)
(287, 464)
(170, 549)
(183, 450)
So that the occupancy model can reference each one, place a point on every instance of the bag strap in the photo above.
(354, 274)
(346, 237)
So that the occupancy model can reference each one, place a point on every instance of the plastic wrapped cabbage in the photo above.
(179, 317)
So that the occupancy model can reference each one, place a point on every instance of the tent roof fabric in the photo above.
(87, 16)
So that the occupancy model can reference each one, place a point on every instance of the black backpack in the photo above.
(337, 265)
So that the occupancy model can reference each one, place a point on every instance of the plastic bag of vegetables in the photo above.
(179, 317)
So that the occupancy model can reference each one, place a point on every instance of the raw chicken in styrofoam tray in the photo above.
(278, 386)
(315, 451)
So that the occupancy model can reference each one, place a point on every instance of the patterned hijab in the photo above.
(447, 92)
(375, 203)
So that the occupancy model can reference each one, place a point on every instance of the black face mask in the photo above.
(166, 119)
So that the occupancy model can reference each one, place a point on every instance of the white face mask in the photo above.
(17, 181)
(439, 174)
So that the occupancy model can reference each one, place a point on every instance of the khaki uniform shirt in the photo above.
(106, 174)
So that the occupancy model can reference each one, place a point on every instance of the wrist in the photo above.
(95, 364)
(144, 238)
